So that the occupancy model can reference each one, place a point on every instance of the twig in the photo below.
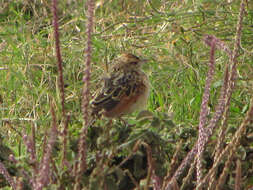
(232, 76)
(221, 138)
(150, 165)
(7, 176)
(238, 175)
(219, 109)
(60, 78)
(219, 44)
(224, 96)
(189, 175)
(44, 169)
(132, 178)
(204, 112)
(29, 142)
(233, 144)
(81, 167)
(174, 161)
(135, 148)
(225, 170)
(156, 182)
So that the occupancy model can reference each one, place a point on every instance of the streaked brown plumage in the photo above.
(124, 90)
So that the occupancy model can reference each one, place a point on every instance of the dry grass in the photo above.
(170, 35)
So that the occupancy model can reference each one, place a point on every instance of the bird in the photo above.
(125, 89)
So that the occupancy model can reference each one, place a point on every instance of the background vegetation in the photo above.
(153, 143)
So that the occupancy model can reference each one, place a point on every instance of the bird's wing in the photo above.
(115, 87)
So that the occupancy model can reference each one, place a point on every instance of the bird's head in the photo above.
(130, 61)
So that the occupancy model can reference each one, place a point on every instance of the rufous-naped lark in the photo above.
(124, 90)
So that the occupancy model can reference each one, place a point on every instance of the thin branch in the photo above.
(219, 109)
(81, 167)
(224, 96)
(60, 78)
(225, 171)
(156, 182)
(238, 175)
(189, 175)
(150, 165)
(58, 54)
(29, 142)
(174, 161)
(130, 175)
(204, 112)
(233, 144)
(221, 136)
(219, 44)
(231, 80)
(7, 176)
(44, 169)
